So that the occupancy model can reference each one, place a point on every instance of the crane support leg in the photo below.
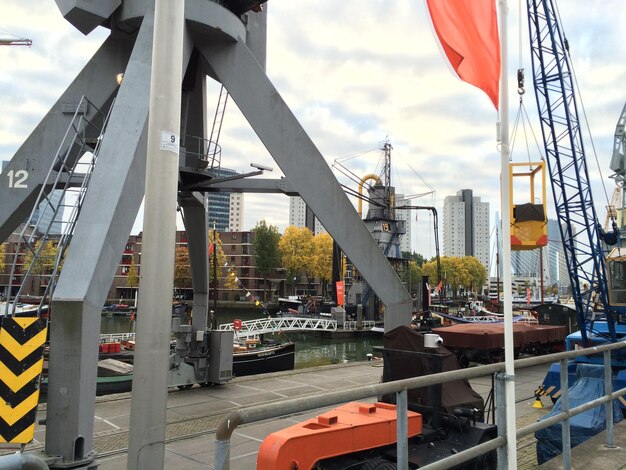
(34, 158)
(101, 232)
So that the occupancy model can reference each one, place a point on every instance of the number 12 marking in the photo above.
(17, 179)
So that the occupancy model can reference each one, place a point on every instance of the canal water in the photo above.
(311, 350)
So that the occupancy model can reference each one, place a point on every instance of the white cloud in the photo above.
(354, 73)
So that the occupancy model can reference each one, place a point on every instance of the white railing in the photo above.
(275, 325)
(353, 325)
(117, 337)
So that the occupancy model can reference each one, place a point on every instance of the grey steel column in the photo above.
(149, 400)
(106, 218)
(195, 214)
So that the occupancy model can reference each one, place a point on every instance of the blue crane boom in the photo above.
(581, 233)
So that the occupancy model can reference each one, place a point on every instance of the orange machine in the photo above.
(349, 428)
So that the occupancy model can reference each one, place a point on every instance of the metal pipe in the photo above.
(505, 203)
(608, 388)
(402, 425)
(566, 443)
(21, 461)
(500, 418)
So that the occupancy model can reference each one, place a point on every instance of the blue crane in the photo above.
(591, 272)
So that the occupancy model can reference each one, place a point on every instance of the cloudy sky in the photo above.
(356, 74)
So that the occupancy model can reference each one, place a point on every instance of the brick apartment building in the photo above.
(237, 248)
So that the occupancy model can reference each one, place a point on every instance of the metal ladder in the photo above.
(39, 250)
(214, 152)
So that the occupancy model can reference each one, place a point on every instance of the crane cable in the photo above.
(582, 106)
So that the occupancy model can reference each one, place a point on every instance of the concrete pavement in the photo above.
(192, 415)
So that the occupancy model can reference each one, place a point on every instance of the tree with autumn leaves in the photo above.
(323, 260)
(302, 253)
(458, 274)
(182, 270)
(44, 263)
(218, 263)
(2, 254)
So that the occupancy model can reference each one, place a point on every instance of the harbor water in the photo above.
(311, 350)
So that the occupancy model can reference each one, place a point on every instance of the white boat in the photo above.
(23, 310)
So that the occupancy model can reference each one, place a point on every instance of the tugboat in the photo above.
(255, 356)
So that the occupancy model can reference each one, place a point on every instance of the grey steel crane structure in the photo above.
(223, 39)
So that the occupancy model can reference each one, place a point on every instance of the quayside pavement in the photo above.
(193, 415)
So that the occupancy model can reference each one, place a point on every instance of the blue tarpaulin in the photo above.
(588, 386)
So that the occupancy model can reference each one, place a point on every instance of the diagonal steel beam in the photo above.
(303, 165)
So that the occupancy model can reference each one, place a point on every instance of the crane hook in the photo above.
(520, 82)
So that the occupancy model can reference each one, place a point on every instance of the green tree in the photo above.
(414, 270)
(296, 251)
(266, 254)
(182, 270)
(323, 259)
(418, 258)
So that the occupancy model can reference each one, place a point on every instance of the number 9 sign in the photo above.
(169, 141)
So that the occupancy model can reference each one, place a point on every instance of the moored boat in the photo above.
(253, 356)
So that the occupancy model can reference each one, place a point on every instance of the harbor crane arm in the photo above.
(581, 232)
(16, 42)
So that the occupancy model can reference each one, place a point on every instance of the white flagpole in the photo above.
(509, 377)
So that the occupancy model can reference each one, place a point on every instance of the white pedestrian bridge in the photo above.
(280, 324)
(254, 327)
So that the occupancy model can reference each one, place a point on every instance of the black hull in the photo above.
(264, 360)
(104, 385)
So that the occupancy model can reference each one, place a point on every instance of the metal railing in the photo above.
(400, 387)
(353, 325)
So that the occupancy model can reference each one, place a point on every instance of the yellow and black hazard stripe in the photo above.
(22, 342)
(551, 392)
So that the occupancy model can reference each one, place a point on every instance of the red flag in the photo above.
(468, 32)
(439, 286)
(340, 286)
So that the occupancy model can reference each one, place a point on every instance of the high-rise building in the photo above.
(235, 219)
(466, 226)
(298, 215)
(225, 209)
(43, 215)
